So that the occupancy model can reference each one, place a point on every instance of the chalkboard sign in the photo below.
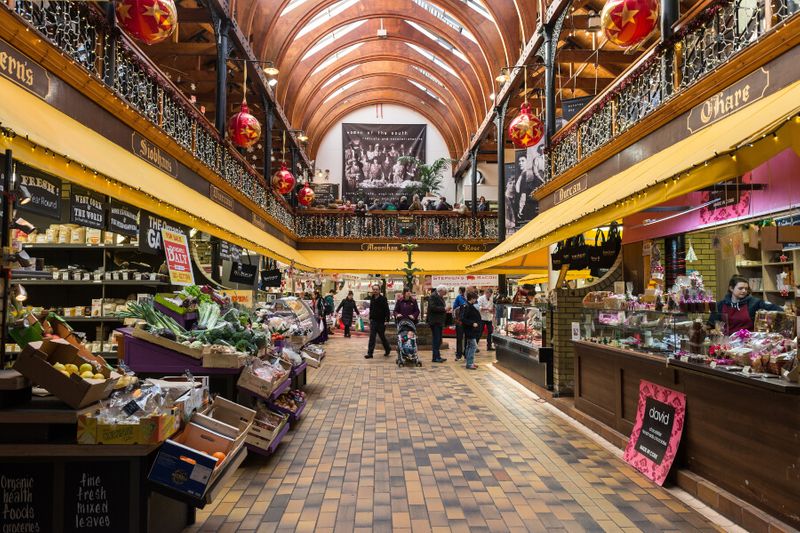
(87, 208)
(270, 278)
(123, 219)
(243, 274)
(45, 192)
(572, 106)
(27, 492)
(229, 251)
(97, 496)
(325, 193)
(150, 232)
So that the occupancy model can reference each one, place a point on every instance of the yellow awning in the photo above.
(140, 184)
(738, 140)
(542, 276)
(378, 262)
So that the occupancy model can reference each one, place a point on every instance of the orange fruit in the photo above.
(219, 456)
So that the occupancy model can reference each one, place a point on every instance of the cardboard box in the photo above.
(36, 363)
(224, 360)
(140, 333)
(148, 430)
(225, 414)
(251, 382)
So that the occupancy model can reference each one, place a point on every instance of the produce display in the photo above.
(291, 400)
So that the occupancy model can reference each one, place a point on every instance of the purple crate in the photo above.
(293, 417)
(299, 369)
(147, 358)
(273, 444)
(186, 320)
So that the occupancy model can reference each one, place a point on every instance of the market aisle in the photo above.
(436, 449)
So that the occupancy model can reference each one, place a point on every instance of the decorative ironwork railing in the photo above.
(80, 32)
(327, 224)
(714, 37)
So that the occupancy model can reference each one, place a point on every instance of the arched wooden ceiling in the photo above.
(452, 49)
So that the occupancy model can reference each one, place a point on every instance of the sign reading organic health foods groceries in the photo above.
(176, 250)
(657, 433)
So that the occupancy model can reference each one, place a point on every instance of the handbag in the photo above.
(578, 254)
(595, 253)
(557, 257)
(611, 246)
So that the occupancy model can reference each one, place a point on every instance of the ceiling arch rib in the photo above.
(377, 49)
(311, 96)
(401, 98)
(393, 81)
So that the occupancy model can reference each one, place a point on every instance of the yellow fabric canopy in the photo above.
(378, 262)
(542, 276)
(655, 179)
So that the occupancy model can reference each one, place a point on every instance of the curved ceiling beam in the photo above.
(400, 98)
(312, 97)
(387, 49)
(392, 82)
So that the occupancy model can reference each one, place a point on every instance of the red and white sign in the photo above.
(483, 280)
(176, 250)
(657, 433)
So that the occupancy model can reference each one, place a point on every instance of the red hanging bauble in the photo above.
(629, 22)
(305, 195)
(283, 181)
(149, 21)
(243, 128)
(525, 130)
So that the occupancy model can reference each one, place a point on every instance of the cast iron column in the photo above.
(549, 45)
(670, 12)
(293, 153)
(473, 156)
(110, 57)
(269, 122)
(500, 119)
(8, 206)
(221, 26)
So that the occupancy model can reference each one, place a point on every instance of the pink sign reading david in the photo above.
(657, 432)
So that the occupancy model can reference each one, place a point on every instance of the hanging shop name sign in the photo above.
(219, 196)
(378, 247)
(150, 227)
(259, 222)
(87, 208)
(45, 193)
(176, 251)
(20, 69)
(243, 274)
(573, 188)
(471, 248)
(750, 89)
(154, 155)
(123, 219)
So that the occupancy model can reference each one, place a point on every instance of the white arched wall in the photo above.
(330, 152)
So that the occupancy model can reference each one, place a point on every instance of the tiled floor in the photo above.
(438, 448)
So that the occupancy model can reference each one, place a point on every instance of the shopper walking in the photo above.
(471, 319)
(437, 310)
(347, 308)
(406, 307)
(329, 309)
(378, 315)
(318, 307)
(486, 308)
(458, 303)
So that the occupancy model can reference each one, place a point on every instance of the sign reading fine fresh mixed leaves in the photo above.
(176, 250)
(657, 433)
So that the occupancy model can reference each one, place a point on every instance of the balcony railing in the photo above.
(714, 37)
(328, 224)
(111, 58)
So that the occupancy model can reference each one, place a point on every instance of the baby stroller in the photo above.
(407, 343)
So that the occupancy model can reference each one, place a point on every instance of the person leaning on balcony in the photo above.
(361, 208)
(416, 205)
(461, 209)
(443, 205)
(403, 204)
(376, 205)
(483, 205)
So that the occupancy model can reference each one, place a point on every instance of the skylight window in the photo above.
(341, 89)
(333, 57)
(445, 17)
(325, 15)
(293, 4)
(442, 42)
(338, 75)
(480, 8)
(438, 62)
(333, 36)
(425, 90)
(428, 75)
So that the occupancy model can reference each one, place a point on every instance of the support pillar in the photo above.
(293, 159)
(549, 47)
(500, 122)
(110, 57)
(8, 207)
(222, 26)
(269, 122)
(473, 156)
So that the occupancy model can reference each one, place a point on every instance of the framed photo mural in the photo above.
(371, 152)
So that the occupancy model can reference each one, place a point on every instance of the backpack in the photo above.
(457, 314)
(328, 305)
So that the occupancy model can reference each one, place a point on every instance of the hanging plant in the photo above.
(148, 21)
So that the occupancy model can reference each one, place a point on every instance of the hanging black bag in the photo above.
(578, 255)
(612, 246)
(557, 257)
(595, 253)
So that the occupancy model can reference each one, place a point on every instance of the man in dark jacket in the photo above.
(378, 315)
(437, 310)
(348, 308)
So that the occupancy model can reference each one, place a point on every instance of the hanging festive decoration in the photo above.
(628, 22)
(525, 130)
(149, 21)
(243, 128)
(305, 195)
(283, 181)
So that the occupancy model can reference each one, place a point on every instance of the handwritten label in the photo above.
(573, 188)
(219, 196)
(45, 192)
(96, 496)
(22, 70)
(27, 499)
(749, 89)
(154, 155)
(176, 250)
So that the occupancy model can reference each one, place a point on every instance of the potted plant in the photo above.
(430, 177)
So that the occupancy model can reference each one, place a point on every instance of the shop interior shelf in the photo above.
(151, 283)
(780, 263)
(93, 319)
(50, 246)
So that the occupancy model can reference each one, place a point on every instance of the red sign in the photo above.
(657, 432)
(176, 250)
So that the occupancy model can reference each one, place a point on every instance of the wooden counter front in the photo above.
(742, 436)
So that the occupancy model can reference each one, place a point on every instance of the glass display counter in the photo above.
(522, 341)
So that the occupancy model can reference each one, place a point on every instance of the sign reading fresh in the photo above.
(176, 250)
(657, 432)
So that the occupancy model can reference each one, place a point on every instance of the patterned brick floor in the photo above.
(439, 448)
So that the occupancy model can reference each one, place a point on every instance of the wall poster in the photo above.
(371, 170)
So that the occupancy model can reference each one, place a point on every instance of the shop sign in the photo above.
(150, 227)
(96, 498)
(483, 280)
(27, 490)
(471, 248)
(123, 219)
(657, 432)
(573, 188)
(230, 251)
(271, 278)
(380, 247)
(154, 155)
(749, 89)
(243, 274)
(45, 192)
(219, 196)
(22, 70)
(325, 193)
(243, 298)
(176, 250)
(87, 208)
(259, 222)
(572, 106)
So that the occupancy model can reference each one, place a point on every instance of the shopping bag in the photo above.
(557, 257)
(594, 253)
(578, 256)
(612, 246)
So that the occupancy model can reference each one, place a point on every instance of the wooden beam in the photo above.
(184, 49)
(591, 56)
(198, 15)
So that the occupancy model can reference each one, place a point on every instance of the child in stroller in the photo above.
(407, 343)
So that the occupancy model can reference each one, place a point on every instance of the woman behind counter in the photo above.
(738, 309)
